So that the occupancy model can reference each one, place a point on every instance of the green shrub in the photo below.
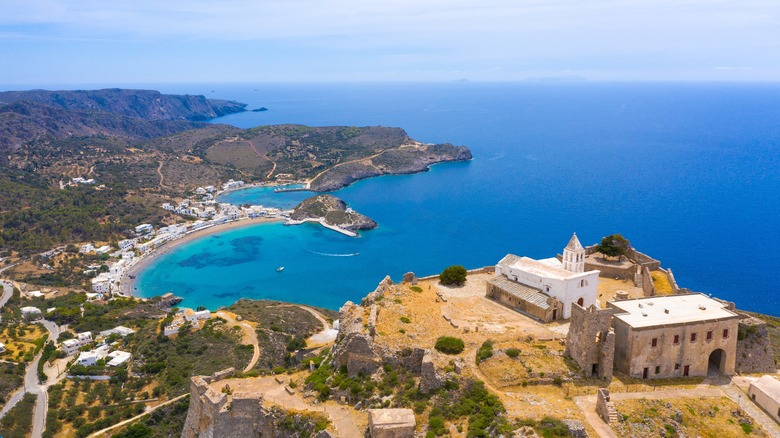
(485, 351)
(512, 352)
(405, 320)
(416, 288)
(455, 274)
(449, 345)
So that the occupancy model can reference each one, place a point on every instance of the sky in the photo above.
(197, 41)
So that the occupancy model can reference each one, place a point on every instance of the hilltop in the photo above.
(333, 211)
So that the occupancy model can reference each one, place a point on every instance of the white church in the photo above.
(545, 289)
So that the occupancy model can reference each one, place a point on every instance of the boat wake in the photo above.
(325, 254)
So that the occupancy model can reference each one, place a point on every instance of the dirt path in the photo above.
(130, 420)
(324, 336)
(250, 336)
(272, 170)
(159, 172)
(346, 162)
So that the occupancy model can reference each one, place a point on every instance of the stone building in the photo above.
(391, 423)
(545, 289)
(674, 336)
(591, 340)
(765, 392)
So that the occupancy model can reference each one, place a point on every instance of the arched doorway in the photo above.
(581, 302)
(717, 361)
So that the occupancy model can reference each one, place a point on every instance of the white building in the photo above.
(765, 392)
(232, 185)
(565, 281)
(118, 330)
(126, 244)
(102, 284)
(71, 346)
(144, 229)
(31, 313)
(91, 357)
(116, 358)
(87, 248)
(105, 249)
(35, 294)
(2, 347)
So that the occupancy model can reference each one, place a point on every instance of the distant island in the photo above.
(330, 212)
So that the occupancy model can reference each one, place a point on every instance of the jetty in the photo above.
(322, 222)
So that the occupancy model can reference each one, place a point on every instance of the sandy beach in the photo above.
(128, 285)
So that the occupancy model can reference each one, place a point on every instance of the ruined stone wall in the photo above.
(672, 281)
(648, 288)
(217, 414)
(754, 350)
(591, 340)
(605, 408)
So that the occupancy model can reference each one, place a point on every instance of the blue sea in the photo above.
(689, 173)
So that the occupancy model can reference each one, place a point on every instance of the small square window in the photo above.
(725, 333)
(709, 335)
(676, 339)
(654, 342)
(676, 366)
(693, 337)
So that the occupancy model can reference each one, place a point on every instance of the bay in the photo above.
(687, 172)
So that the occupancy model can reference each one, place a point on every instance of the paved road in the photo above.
(8, 290)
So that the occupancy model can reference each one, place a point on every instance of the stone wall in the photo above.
(591, 340)
(648, 288)
(217, 414)
(606, 408)
(754, 350)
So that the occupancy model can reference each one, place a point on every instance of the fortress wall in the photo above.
(647, 282)
(611, 271)
(754, 350)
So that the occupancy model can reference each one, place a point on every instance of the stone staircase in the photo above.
(606, 408)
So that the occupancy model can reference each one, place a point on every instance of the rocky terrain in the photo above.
(402, 160)
(334, 211)
(142, 104)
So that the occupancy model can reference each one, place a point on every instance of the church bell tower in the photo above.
(574, 256)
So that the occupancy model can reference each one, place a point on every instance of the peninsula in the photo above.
(331, 212)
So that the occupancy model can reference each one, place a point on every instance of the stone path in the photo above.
(756, 413)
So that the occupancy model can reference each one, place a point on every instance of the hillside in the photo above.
(142, 104)
(25, 121)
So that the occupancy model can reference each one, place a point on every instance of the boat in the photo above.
(280, 269)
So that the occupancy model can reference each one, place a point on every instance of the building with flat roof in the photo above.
(765, 392)
(545, 289)
(674, 336)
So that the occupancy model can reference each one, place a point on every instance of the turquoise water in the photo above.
(689, 173)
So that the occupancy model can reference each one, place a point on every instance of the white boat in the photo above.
(280, 269)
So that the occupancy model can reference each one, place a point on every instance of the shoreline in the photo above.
(127, 285)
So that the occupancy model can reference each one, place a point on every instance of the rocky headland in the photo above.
(406, 159)
(331, 211)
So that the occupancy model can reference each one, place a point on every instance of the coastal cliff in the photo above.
(142, 104)
(333, 211)
(403, 160)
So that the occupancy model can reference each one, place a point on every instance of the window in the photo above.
(658, 369)
(654, 342)
(725, 333)
(676, 339)
(676, 366)
(709, 335)
(693, 337)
